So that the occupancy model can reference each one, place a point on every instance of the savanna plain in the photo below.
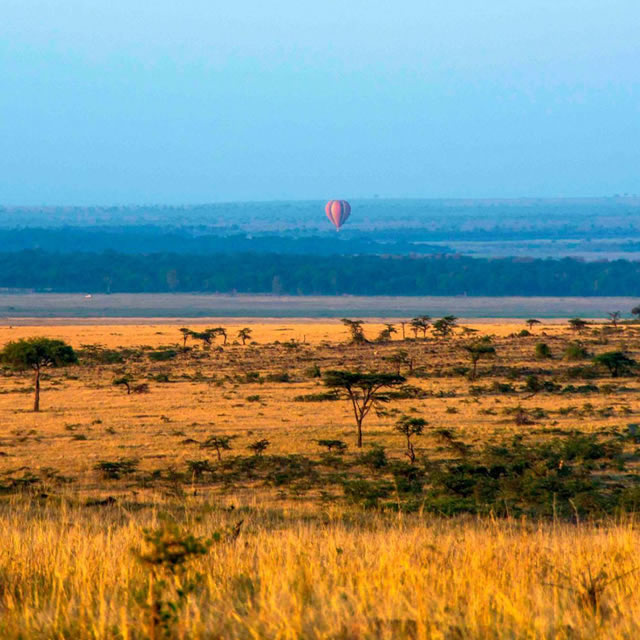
(185, 483)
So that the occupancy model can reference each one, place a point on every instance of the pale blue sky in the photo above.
(140, 101)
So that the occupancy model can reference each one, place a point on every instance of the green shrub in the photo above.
(575, 351)
(375, 458)
(162, 356)
(584, 372)
(250, 377)
(100, 355)
(313, 372)
(115, 469)
(328, 396)
(406, 392)
(279, 377)
(543, 351)
(367, 493)
(338, 445)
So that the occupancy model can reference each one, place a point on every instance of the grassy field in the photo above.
(516, 519)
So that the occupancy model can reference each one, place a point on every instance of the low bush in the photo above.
(116, 469)
(283, 376)
(162, 356)
(328, 396)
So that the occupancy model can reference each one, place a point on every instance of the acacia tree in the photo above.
(355, 329)
(206, 336)
(399, 358)
(124, 381)
(259, 447)
(636, 312)
(421, 323)
(578, 324)
(244, 334)
(36, 354)
(362, 389)
(444, 326)
(221, 331)
(530, 322)
(386, 333)
(186, 333)
(218, 443)
(614, 318)
(617, 362)
(410, 427)
(480, 349)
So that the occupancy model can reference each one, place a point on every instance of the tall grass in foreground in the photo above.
(73, 572)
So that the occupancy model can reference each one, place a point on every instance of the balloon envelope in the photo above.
(337, 211)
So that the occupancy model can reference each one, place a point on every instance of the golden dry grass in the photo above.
(301, 567)
(152, 427)
(70, 574)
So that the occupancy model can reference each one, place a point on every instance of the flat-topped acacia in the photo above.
(36, 354)
(362, 389)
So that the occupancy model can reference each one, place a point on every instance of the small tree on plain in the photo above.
(617, 362)
(205, 336)
(421, 324)
(531, 322)
(124, 381)
(259, 447)
(36, 354)
(578, 324)
(479, 349)
(614, 318)
(444, 326)
(410, 427)
(355, 329)
(363, 390)
(636, 312)
(399, 358)
(244, 334)
(221, 331)
(218, 444)
(186, 333)
(386, 333)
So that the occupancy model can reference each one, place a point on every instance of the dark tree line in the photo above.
(150, 239)
(316, 275)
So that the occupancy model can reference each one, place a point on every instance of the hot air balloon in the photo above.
(337, 211)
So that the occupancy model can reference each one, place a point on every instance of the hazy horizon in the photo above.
(632, 199)
(177, 104)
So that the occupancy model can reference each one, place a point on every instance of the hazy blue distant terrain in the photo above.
(587, 247)
(585, 228)
(368, 215)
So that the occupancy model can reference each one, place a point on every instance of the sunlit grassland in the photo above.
(69, 572)
(293, 558)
